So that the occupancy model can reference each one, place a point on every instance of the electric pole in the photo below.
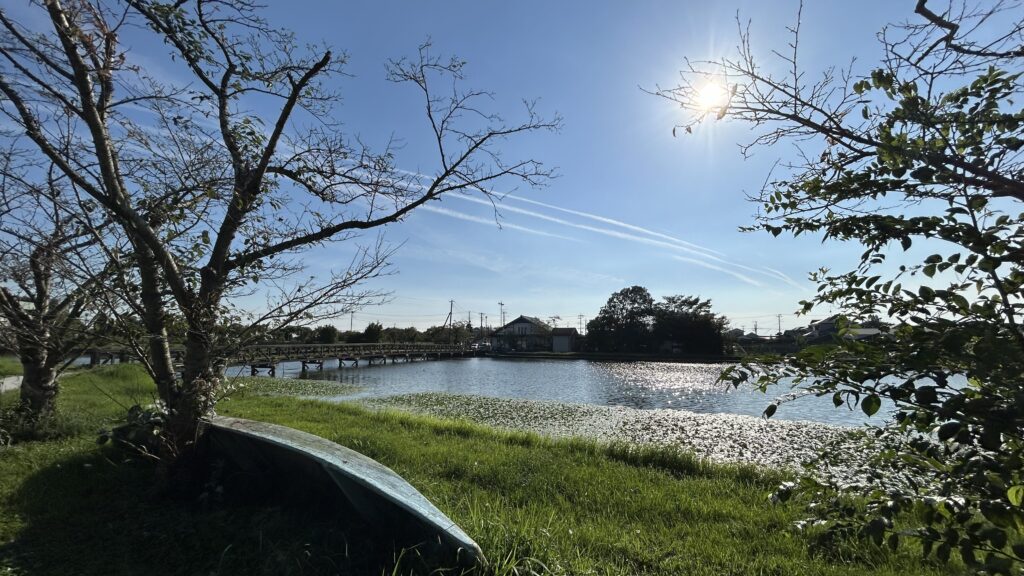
(502, 305)
(351, 317)
(451, 322)
(755, 328)
(779, 316)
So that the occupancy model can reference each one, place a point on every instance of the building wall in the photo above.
(561, 343)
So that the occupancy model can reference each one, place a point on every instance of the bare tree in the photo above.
(49, 275)
(216, 197)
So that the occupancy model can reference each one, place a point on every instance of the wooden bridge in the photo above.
(267, 356)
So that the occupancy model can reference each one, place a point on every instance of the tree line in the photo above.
(633, 322)
(457, 332)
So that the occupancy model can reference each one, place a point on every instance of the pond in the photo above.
(644, 385)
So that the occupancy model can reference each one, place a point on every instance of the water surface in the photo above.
(644, 385)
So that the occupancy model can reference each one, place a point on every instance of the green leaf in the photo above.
(770, 410)
(906, 242)
(949, 430)
(1015, 494)
(871, 404)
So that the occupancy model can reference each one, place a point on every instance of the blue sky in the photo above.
(632, 204)
(558, 252)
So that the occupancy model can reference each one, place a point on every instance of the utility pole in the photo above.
(451, 322)
(502, 304)
(481, 325)
(755, 328)
(579, 323)
(779, 316)
(351, 317)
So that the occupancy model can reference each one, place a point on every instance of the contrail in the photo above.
(663, 240)
(479, 220)
(614, 222)
(774, 274)
(604, 231)
(596, 217)
(785, 278)
(711, 266)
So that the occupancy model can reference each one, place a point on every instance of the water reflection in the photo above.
(645, 385)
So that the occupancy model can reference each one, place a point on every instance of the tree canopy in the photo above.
(632, 321)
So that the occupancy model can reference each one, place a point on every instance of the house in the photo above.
(524, 334)
(563, 339)
(822, 329)
(863, 333)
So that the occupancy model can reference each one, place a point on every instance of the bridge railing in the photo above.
(320, 351)
(285, 352)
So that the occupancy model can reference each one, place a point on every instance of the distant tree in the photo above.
(350, 336)
(624, 323)
(50, 274)
(689, 323)
(326, 334)
(928, 149)
(373, 332)
(404, 335)
(458, 332)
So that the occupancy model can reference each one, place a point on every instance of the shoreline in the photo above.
(718, 437)
(614, 357)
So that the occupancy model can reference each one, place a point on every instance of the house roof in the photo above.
(830, 320)
(528, 319)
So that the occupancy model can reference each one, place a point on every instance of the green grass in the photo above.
(268, 386)
(567, 507)
(9, 366)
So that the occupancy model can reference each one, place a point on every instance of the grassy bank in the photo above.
(564, 506)
(9, 366)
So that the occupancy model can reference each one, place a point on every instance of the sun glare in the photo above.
(711, 96)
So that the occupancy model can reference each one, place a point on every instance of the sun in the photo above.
(711, 96)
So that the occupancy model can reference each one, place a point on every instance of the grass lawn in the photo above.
(9, 366)
(564, 507)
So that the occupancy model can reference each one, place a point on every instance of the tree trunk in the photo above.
(201, 378)
(38, 385)
(155, 320)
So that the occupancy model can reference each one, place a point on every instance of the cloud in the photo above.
(710, 266)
